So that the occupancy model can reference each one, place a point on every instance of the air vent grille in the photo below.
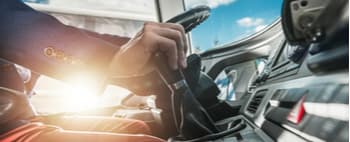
(256, 101)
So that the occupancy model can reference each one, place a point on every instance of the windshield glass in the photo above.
(232, 20)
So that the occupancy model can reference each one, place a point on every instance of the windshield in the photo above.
(232, 20)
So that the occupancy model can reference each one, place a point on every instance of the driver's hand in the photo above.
(134, 57)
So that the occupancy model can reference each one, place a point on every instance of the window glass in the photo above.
(226, 83)
(232, 20)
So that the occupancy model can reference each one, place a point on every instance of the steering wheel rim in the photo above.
(191, 18)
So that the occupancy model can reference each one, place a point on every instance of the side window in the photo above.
(226, 83)
(235, 81)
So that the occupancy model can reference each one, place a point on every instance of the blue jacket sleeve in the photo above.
(41, 43)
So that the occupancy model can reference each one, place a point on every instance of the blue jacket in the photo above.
(41, 43)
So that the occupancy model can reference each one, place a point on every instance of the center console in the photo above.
(294, 104)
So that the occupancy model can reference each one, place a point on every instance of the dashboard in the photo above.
(298, 103)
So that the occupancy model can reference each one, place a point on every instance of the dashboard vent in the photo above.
(256, 101)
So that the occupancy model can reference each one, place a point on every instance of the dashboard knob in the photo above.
(295, 52)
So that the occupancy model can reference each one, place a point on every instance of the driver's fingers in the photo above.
(182, 52)
(166, 46)
(182, 45)
(177, 27)
(174, 35)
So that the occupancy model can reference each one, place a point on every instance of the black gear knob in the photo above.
(170, 76)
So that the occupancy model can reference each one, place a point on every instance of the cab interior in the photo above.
(279, 79)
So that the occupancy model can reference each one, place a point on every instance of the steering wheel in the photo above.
(191, 18)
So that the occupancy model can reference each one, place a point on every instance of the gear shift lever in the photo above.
(174, 79)
(190, 117)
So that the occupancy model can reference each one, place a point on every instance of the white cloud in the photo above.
(210, 3)
(253, 24)
(250, 22)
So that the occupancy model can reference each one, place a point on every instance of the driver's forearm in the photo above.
(43, 44)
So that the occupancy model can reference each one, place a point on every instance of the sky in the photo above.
(231, 20)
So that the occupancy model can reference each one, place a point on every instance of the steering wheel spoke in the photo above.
(191, 18)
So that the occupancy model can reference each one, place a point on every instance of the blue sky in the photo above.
(231, 20)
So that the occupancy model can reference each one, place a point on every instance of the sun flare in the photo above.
(78, 94)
